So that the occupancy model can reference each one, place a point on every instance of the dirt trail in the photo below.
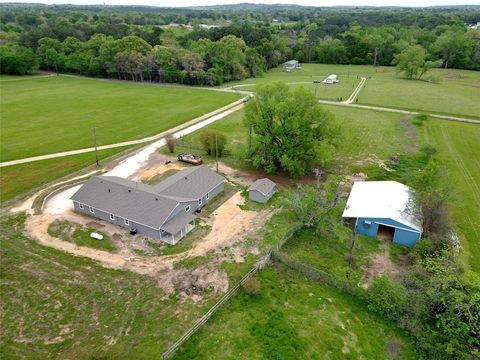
(380, 264)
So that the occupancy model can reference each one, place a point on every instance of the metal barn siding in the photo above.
(404, 235)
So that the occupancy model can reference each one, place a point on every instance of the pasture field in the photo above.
(294, 318)
(457, 92)
(56, 305)
(17, 179)
(366, 136)
(458, 146)
(54, 114)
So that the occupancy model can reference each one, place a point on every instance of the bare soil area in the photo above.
(380, 264)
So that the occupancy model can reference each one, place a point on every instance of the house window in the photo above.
(91, 209)
(187, 208)
(207, 196)
(80, 206)
(367, 223)
(126, 222)
(112, 217)
(199, 201)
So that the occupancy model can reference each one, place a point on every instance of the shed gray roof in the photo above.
(264, 186)
(191, 183)
(145, 204)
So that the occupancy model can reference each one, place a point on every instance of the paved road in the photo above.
(400, 111)
(180, 130)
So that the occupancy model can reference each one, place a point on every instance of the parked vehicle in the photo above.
(317, 81)
(96, 236)
(190, 158)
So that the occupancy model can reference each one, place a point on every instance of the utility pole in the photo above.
(216, 150)
(95, 145)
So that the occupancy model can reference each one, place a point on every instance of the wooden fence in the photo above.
(264, 261)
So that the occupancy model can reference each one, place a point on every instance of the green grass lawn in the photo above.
(53, 114)
(79, 235)
(331, 256)
(458, 145)
(294, 318)
(17, 179)
(456, 93)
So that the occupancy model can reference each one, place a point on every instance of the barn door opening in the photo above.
(385, 232)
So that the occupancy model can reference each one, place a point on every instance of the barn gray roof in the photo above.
(193, 183)
(264, 186)
(177, 223)
(145, 204)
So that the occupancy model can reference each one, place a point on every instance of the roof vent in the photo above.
(108, 190)
(129, 190)
(186, 178)
(156, 198)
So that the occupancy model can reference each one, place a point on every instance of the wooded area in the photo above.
(213, 45)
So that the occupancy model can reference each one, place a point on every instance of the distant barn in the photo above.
(292, 64)
(381, 209)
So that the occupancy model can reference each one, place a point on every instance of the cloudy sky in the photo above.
(300, 2)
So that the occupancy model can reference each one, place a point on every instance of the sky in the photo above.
(177, 3)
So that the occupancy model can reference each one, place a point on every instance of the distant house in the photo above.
(331, 79)
(164, 211)
(262, 190)
(381, 210)
(292, 64)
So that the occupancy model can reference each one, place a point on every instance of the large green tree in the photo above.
(413, 63)
(289, 130)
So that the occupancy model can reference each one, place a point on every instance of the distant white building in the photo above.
(331, 79)
(473, 26)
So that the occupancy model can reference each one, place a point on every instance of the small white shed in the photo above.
(262, 190)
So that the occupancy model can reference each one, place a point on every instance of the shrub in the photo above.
(387, 297)
(213, 140)
(171, 142)
(251, 286)
(419, 119)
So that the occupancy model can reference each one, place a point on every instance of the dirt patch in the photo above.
(380, 264)
(229, 225)
(155, 170)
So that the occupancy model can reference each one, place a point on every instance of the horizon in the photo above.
(210, 3)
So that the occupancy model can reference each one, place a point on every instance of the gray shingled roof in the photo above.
(177, 223)
(264, 186)
(145, 204)
(193, 183)
(128, 199)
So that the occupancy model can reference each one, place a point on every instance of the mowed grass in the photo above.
(55, 305)
(457, 92)
(294, 318)
(458, 146)
(53, 114)
(17, 179)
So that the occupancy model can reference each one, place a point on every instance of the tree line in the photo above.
(130, 44)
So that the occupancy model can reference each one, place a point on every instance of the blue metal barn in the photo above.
(382, 209)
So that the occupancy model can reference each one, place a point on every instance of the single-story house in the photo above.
(381, 209)
(292, 64)
(331, 79)
(164, 211)
(262, 190)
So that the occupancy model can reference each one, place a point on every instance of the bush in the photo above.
(171, 142)
(251, 286)
(387, 297)
(213, 140)
(419, 119)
